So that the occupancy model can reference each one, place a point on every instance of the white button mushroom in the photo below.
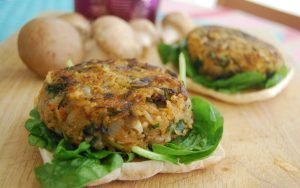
(81, 24)
(175, 26)
(116, 38)
(145, 31)
(93, 51)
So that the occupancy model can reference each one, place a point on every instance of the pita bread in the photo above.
(240, 98)
(149, 168)
(245, 97)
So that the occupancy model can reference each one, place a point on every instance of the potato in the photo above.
(46, 44)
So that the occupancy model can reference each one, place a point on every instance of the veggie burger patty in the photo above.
(115, 104)
(221, 52)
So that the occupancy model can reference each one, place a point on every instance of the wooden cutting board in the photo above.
(261, 140)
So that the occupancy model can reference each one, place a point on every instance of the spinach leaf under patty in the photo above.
(233, 84)
(199, 143)
(72, 166)
(76, 172)
(77, 166)
(40, 135)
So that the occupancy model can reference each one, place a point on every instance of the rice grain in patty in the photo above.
(115, 104)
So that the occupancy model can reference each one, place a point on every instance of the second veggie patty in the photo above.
(220, 52)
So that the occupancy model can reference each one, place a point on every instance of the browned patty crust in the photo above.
(115, 104)
(220, 52)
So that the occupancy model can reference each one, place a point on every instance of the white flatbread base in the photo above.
(245, 97)
(148, 168)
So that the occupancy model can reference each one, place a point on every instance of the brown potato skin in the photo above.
(46, 44)
(220, 52)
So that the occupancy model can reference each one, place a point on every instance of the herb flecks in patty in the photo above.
(124, 98)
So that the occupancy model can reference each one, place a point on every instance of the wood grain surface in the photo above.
(261, 140)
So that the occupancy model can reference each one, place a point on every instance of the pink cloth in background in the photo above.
(288, 38)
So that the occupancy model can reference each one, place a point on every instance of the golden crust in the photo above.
(221, 52)
(118, 104)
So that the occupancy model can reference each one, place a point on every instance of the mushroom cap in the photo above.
(116, 38)
(46, 44)
(146, 31)
(81, 24)
(93, 51)
(179, 21)
(107, 21)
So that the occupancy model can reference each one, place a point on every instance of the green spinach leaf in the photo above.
(76, 166)
(77, 172)
(40, 135)
(277, 77)
(202, 140)
(234, 84)
(63, 153)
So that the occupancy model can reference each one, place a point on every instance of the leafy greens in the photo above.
(200, 142)
(234, 84)
(71, 166)
(76, 172)
(76, 166)
(39, 135)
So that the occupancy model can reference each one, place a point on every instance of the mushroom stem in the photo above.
(170, 35)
